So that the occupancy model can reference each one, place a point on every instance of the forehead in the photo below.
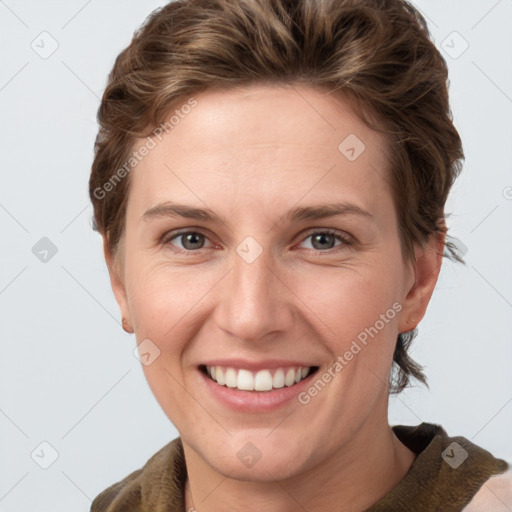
(262, 143)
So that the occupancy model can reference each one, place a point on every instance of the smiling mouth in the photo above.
(262, 380)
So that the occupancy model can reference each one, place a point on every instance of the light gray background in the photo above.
(68, 375)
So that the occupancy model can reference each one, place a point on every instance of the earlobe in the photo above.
(426, 268)
(126, 326)
(115, 270)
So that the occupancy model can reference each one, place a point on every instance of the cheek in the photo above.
(349, 300)
(356, 314)
(169, 306)
(162, 303)
(161, 298)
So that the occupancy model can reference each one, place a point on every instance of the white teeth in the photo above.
(230, 376)
(245, 380)
(219, 376)
(278, 380)
(289, 380)
(262, 380)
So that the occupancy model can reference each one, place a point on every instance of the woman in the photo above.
(269, 180)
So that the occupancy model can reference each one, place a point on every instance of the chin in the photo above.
(268, 469)
(248, 457)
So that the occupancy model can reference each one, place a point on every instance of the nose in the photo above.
(255, 300)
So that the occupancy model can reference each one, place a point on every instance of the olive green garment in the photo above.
(446, 474)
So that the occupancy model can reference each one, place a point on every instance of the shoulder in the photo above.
(453, 473)
(495, 494)
(127, 494)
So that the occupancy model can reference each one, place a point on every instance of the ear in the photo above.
(426, 268)
(116, 271)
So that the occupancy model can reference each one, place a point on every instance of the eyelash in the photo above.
(346, 241)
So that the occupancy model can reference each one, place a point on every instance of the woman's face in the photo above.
(265, 283)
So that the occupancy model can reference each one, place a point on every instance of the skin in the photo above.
(251, 154)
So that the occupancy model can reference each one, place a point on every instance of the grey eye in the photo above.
(324, 240)
(191, 240)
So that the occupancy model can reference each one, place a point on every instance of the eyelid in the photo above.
(343, 235)
(345, 239)
(175, 233)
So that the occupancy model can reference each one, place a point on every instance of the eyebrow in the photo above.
(171, 209)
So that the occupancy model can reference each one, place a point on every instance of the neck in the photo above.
(355, 477)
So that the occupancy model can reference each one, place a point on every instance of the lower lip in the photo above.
(254, 401)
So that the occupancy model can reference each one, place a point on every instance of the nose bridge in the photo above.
(252, 275)
(254, 300)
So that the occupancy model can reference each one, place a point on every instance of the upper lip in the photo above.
(257, 365)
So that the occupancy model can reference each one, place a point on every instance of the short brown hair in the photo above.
(376, 53)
